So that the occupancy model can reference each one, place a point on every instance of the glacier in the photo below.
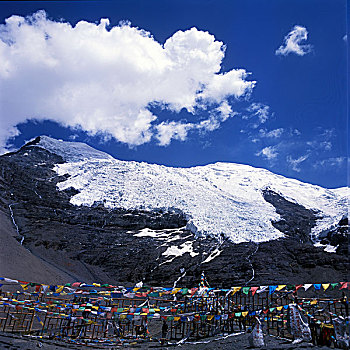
(220, 199)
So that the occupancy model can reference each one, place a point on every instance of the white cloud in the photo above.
(269, 153)
(167, 131)
(225, 111)
(292, 42)
(334, 162)
(276, 133)
(294, 163)
(104, 80)
(318, 145)
(345, 37)
(259, 110)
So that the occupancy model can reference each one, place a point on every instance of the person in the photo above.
(164, 329)
(345, 302)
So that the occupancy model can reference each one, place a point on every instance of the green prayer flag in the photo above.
(245, 290)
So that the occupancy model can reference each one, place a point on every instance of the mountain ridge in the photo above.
(237, 208)
(114, 245)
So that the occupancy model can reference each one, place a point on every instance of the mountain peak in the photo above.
(68, 150)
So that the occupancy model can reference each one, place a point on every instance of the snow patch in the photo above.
(167, 235)
(215, 253)
(176, 251)
(327, 247)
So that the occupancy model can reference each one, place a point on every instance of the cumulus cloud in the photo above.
(293, 42)
(294, 163)
(269, 152)
(105, 79)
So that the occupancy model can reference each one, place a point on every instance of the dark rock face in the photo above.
(338, 236)
(112, 241)
(296, 221)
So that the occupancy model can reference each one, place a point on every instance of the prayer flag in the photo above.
(325, 285)
(254, 289)
(272, 289)
(280, 287)
(245, 290)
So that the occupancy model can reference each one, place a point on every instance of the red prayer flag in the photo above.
(254, 289)
(344, 285)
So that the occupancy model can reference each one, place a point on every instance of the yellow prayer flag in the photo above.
(325, 285)
(59, 289)
(24, 286)
(210, 317)
(245, 313)
(279, 308)
(176, 318)
(280, 287)
(235, 290)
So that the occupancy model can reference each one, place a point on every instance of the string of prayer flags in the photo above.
(146, 292)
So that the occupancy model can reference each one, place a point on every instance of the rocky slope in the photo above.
(127, 244)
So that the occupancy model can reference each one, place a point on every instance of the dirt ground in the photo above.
(230, 342)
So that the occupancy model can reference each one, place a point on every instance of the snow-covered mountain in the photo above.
(221, 199)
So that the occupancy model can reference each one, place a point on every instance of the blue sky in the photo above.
(293, 121)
